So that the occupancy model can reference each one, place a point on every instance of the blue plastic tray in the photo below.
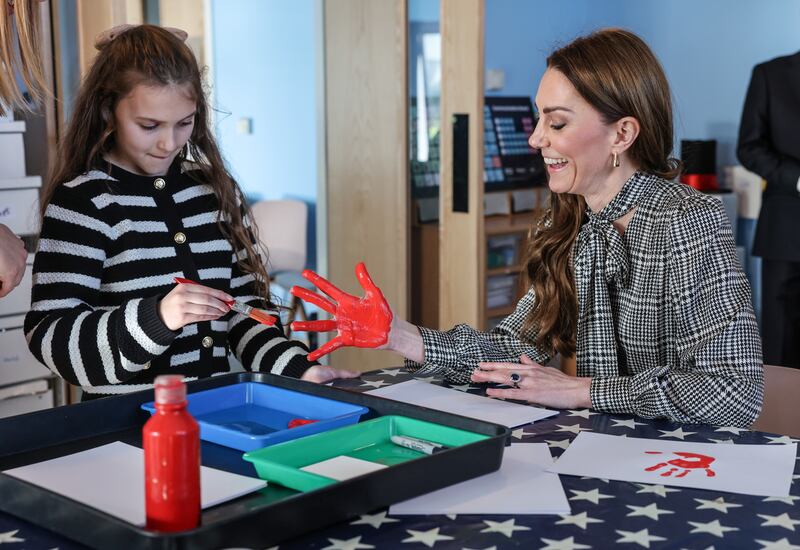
(249, 415)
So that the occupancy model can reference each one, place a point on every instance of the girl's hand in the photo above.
(322, 374)
(187, 304)
(537, 384)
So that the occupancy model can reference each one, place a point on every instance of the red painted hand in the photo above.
(687, 462)
(361, 322)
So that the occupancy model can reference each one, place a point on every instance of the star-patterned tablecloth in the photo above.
(605, 513)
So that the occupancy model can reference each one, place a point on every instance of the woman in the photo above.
(633, 273)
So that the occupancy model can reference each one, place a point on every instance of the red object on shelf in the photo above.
(701, 182)
(171, 442)
(295, 422)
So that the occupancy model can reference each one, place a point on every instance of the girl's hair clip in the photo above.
(104, 38)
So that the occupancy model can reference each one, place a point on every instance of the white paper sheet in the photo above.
(111, 478)
(521, 486)
(343, 467)
(500, 412)
(761, 470)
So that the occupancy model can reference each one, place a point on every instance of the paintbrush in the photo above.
(240, 307)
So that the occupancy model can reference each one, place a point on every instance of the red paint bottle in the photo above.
(171, 443)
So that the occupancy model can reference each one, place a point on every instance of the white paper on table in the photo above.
(521, 486)
(431, 396)
(111, 478)
(343, 467)
(761, 470)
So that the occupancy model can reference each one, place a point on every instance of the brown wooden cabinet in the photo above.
(504, 242)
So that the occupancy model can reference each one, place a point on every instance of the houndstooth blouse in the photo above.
(665, 319)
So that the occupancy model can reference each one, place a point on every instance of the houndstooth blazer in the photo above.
(681, 319)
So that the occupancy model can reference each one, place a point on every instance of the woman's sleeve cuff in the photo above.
(612, 394)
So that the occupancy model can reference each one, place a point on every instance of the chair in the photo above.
(781, 411)
(282, 232)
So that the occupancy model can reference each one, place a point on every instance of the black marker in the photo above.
(427, 447)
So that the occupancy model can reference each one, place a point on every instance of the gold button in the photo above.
(208, 341)
(159, 183)
(180, 238)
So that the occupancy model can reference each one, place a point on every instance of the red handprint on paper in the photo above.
(687, 463)
(362, 322)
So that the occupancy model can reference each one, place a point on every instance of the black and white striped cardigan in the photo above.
(110, 246)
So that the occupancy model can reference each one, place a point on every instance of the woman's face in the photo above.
(153, 123)
(575, 142)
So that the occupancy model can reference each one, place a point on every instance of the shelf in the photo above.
(500, 311)
(515, 223)
(507, 270)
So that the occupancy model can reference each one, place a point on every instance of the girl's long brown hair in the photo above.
(618, 75)
(20, 56)
(150, 55)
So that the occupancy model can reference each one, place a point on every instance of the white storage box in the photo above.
(18, 301)
(35, 397)
(19, 205)
(25, 182)
(17, 363)
(12, 150)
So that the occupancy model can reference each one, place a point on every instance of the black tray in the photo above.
(260, 519)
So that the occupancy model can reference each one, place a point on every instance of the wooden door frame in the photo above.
(366, 193)
(462, 248)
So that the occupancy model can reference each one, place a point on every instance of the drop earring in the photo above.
(615, 160)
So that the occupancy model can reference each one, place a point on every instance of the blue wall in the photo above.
(707, 47)
(265, 68)
(423, 11)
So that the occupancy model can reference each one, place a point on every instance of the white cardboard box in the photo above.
(11, 126)
(25, 182)
(17, 363)
(26, 403)
(18, 301)
(19, 209)
(12, 150)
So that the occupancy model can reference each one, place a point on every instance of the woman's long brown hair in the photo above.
(150, 55)
(20, 55)
(618, 75)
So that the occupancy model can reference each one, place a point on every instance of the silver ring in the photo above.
(515, 379)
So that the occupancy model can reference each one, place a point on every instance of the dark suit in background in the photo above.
(769, 145)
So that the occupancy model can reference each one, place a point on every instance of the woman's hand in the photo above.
(12, 260)
(187, 304)
(537, 384)
(322, 374)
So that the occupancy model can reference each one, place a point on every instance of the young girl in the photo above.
(125, 212)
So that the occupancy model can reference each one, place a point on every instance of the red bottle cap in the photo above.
(170, 389)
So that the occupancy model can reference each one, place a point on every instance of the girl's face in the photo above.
(152, 124)
(573, 138)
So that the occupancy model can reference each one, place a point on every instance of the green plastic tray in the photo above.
(368, 440)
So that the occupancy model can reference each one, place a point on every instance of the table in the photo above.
(604, 513)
